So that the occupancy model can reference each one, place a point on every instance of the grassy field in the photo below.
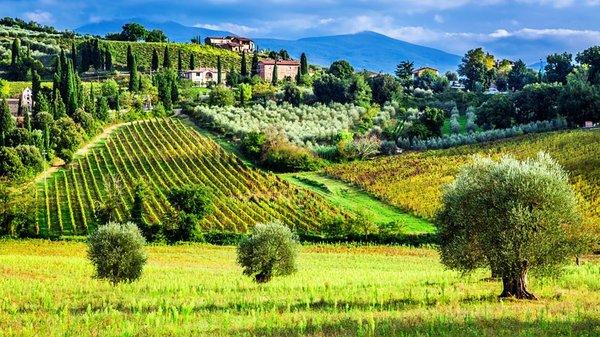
(47, 289)
(414, 181)
(357, 201)
(166, 153)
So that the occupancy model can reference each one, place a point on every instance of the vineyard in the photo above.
(414, 181)
(304, 125)
(167, 153)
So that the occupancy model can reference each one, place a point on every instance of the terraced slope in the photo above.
(167, 153)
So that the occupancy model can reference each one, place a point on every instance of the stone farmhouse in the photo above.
(233, 43)
(285, 68)
(203, 76)
(23, 103)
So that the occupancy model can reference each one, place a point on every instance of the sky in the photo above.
(453, 26)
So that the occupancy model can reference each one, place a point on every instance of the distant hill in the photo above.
(175, 31)
(364, 50)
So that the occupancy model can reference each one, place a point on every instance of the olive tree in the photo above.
(117, 252)
(512, 217)
(269, 251)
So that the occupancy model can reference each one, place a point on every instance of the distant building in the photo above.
(203, 76)
(234, 43)
(23, 103)
(422, 70)
(285, 68)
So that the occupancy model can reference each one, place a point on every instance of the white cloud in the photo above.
(438, 18)
(40, 17)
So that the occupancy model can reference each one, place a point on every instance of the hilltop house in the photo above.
(422, 70)
(233, 43)
(203, 76)
(285, 68)
(23, 103)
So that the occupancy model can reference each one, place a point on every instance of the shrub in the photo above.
(10, 163)
(221, 96)
(116, 251)
(194, 200)
(512, 217)
(282, 156)
(269, 251)
(388, 147)
(30, 157)
(252, 144)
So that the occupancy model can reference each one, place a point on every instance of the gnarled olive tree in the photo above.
(512, 217)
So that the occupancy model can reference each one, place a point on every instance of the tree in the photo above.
(36, 87)
(219, 70)
(433, 119)
(10, 163)
(232, 78)
(133, 76)
(156, 35)
(166, 58)
(221, 96)
(133, 32)
(284, 55)
(117, 252)
(591, 57)
(244, 93)
(383, 87)
(275, 76)
(263, 91)
(558, 66)
(108, 63)
(74, 55)
(244, 65)
(192, 61)
(67, 136)
(404, 71)
(519, 76)
(303, 64)
(7, 123)
(154, 64)
(497, 112)
(579, 102)
(179, 62)
(129, 57)
(292, 94)
(475, 67)
(254, 69)
(359, 92)
(512, 217)
(537, 102)
(329, 88)
(15, 56)
(341, 69)
(102, 109)
(269, 251)
(195, 200)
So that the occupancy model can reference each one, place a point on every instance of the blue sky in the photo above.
(453, 26)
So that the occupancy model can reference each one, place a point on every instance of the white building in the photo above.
(203, 76)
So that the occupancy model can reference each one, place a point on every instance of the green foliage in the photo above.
(475, 67)
(579, 102)
(156, 35)
(591, 57)
(252, 144)
(270, 251)
(117, 252)
(67, 136)
(221, 96)
(536, 102)
(557, 67)
(194, 200)
(10, 163)
(384, 88)
(519, 76)
(31, 158)
(512, 217)
(7, 122)
(497, 112)
(341, 69)
(292, 94)
(280, 155)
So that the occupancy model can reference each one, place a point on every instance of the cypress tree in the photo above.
(192, 61)
(7, 123)
(244, 66)
(41, 104)
(74, 55)
(179, 62)
(298, 77)
(154, 65)
(133, 76)
(166, 58)
(218, 69)
(274, 79)
(174, 91)
(303, 64)
(108, 63)
(15, 53)
(27, 120)
(129, 58)
(91, 107)
(102, 109)
(254, 70)
(36, 86)
(71, 86)
(58, 109)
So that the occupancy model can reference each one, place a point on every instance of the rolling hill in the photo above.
(364, 50)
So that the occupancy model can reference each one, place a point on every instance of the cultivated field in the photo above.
(47, 289)
(414, 181)
(167, 153)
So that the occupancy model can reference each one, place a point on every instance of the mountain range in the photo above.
(365, 50)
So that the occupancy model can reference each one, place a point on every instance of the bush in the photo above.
(221, 96)
(116, 251)
(30, 157)
(194, 200)
(10, 163)
(281, 155)
(388, 147)
(269, 251)
(252, 144)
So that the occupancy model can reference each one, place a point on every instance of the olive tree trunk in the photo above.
(515, 285)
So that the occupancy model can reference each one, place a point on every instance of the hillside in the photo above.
(414, 181)
(175, 31)
(364, 50)
(166, 153)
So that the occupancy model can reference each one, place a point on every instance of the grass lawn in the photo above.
(353, 199)
(47, 289)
